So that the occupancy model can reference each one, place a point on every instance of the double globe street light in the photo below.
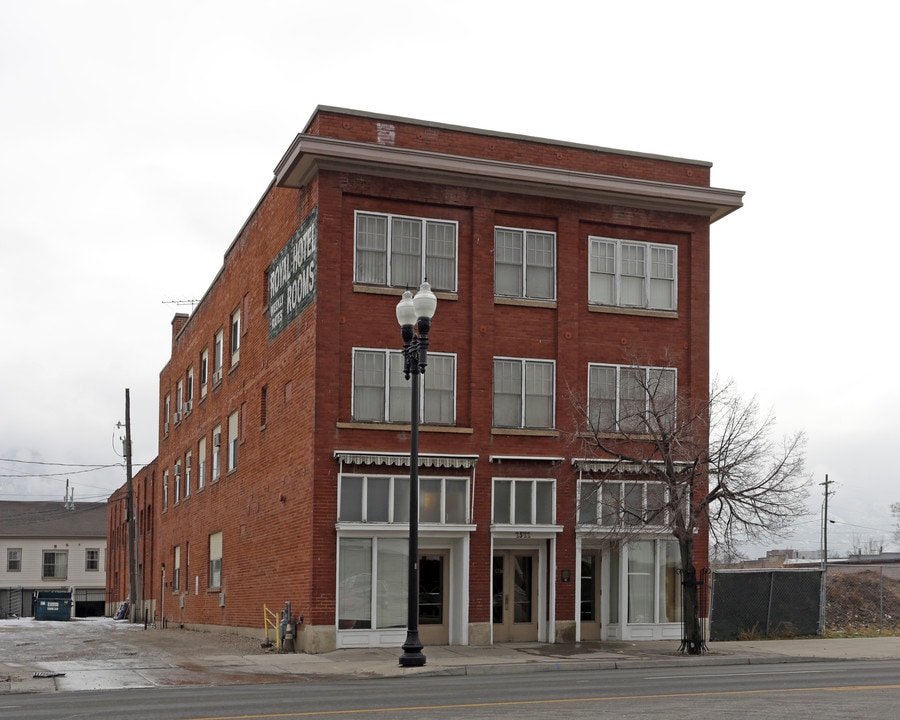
(414, 315)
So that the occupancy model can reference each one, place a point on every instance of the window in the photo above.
(216, 452)
(631, 399)
(187, 474)
(235, 337)
(381, 392)
(654, 587)
(92, 559)
(232, 441)
(189, 390)
(176, 575)
(201, 464)
(215, 560)
(399, 251)
(177, 482)
(614, 503)
(524, 264)
(263, 406)
(13, 559)
(523, 393)
(524, 502)
(218, 349)
(167, 411)
(165, 490)
(624, 273)
(55, 565)
(204, 371)
(385, 499)
(179, 401)
(373, 579)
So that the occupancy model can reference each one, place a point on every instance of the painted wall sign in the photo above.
(292, 276)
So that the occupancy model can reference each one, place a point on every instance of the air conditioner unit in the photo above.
(187, 407)
(166, 427)
(177, 418)
(217, 439)
(217, 376)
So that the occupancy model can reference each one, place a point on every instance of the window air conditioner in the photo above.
(166, 427)
(217, 439)
(217, 376)
(187, 407)
(177, 418)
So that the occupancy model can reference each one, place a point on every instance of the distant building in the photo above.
(52, 546)
(565, 274)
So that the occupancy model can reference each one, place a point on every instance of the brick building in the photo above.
(284, 441)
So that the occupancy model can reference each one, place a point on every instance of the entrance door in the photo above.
(514, 588)
(434, 572)
(589, 597)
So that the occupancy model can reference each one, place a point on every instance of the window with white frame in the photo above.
(373, 578)
(216, 453)
(385, 499)
(616, 503)
(218, 350)
(399, 251)
(524, 502)
(651, 575)
(524, 395)
(188, 460)
(631, 398)
(167, 412)
(177, 482)
(189, 390)
(176, 574)
(165, 490)
(204, 372)
(13, 559)
(92, 559)
(55, 565)
(201, 463)
(179, 400)
(215, 560)
(235, 337)
(381, 392)
(625, 273)
(232, 441)
(524, 264)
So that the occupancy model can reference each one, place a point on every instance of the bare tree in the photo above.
(895, 511)
(665, 464)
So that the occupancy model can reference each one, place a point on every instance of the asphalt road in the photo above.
(863, 690)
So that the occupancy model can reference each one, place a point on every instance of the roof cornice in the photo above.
(310, 153)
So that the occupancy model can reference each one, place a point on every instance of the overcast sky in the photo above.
(138, 136)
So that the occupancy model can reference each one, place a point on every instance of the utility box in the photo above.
(53, 605)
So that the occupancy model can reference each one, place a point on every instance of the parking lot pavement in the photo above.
(101, 653)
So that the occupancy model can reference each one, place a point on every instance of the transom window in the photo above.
(524, 502)
(523, 393)
(385, 499)
(381, 392)
(631, 399)
(524, 264)
(624, 273)
(614, 503)
(398, 251)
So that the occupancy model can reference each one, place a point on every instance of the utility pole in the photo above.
(129, 501)
(824, 593)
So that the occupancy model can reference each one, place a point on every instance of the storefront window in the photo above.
(367, 564)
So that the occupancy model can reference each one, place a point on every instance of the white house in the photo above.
(52, 546)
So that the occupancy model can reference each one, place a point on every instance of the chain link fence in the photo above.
(783, 603)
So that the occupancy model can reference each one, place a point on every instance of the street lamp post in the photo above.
(414, 315)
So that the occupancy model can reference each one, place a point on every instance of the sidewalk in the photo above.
(141, 663)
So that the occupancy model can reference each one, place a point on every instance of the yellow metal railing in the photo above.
(271, 620)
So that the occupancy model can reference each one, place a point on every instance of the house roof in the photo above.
(51, 519)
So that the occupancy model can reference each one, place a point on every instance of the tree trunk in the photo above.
(691, 633)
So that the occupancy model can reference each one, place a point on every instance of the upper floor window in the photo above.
(399, 251)
(189, 390)
(14, 560)
(524, 394)
(204, 371)
(385, 499)
(176, 575)
(179, 400)
(235, 337)
(524, 502)
(167, 412)
(613, 503)
(201, 463)
(524, 264)
(218, 349)
(188, 461)
(55, 565)
(624, 273)
(232, 441)
(165, 490)
(381, 392)
(216, 452)
(92, 559)
(631, 399)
